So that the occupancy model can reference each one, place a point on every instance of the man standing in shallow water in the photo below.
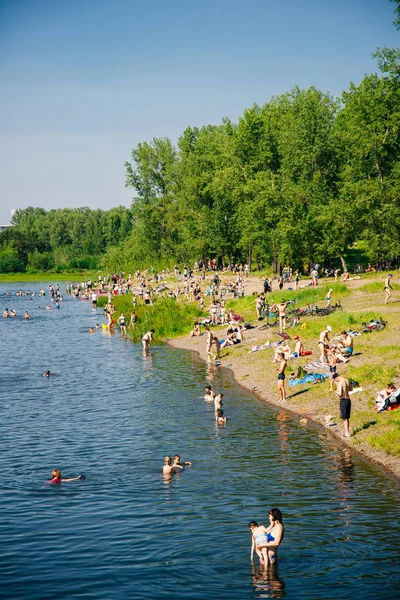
(343, 389)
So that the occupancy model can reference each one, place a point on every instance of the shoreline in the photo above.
(249, 378)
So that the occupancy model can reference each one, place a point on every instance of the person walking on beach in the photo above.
(343, 389)
(388, 287)
(281, 377)
(324, 341)
(282, 315)
(328, 298)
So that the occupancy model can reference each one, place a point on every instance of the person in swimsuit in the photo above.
(282, 315)
(332, 360)
(146, 339)
(274, 535)
(343, 389)
(122, 323)
(281, 377)
(388, 288)
(328, 298)
(323, 341)
(196, 330)
(46, 374)
(258, 537)
(56, 477)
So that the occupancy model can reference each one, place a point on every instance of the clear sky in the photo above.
(84, 81)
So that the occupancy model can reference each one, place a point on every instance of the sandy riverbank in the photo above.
(254, 372)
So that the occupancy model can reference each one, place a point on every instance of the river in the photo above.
(126, 531)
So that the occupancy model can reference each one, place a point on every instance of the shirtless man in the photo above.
(282, 315)
(299, 347)
(343, 389)
(388, 287)
(209, 395)
(337, 271)
(347, 342)
(323, 341)
(281, 377)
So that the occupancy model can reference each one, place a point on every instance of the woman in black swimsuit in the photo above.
(281, 377)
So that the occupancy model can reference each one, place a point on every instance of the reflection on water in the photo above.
(127, 530)
(267, 583)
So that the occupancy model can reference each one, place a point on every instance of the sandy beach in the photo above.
(256, 373)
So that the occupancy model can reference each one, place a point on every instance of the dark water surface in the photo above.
(126, 532)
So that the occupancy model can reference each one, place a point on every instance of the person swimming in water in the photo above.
(46, 373)
(57, 478)
(177, 462)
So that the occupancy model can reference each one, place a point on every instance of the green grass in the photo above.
(377, 286)
(387, 438)
(167, 317)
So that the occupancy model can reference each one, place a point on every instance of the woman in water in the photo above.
(56, 477)
(267, 540)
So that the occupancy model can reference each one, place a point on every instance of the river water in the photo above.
(126, 531)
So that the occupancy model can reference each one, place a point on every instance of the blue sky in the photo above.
(84, 81)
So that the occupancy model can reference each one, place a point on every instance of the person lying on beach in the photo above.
(219, 417)
(234, 336)
(177, 462)
(57, 478)
(383, 395)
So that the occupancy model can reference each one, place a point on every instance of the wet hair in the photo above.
(56, 473)
(177, 456)
(167, 460)
(276, 514)
(220, 413)
(208, 387)
(253, 524)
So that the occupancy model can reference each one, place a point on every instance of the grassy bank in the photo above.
(167, 317)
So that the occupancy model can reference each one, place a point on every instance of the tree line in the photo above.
(299, 180)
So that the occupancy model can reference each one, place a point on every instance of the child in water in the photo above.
(220, 417)
(177, 462)
(56, 477)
